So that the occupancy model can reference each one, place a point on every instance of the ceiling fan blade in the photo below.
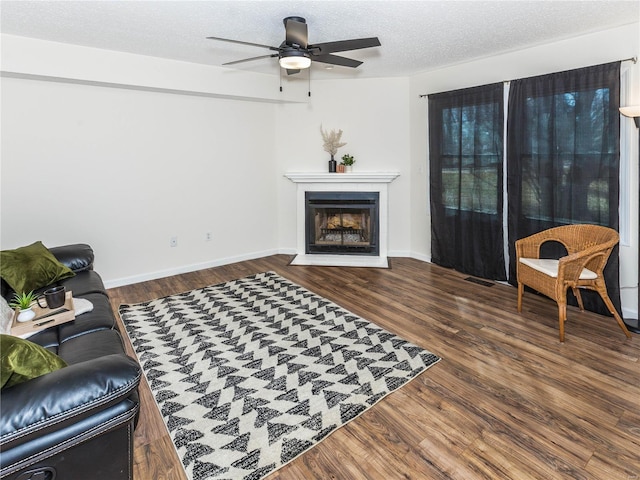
(243, 43)
(291, 71)
(336, 60)
(250, 59)
(296, 31)
(344, 45)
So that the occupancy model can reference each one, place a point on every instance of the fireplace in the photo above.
(342, 223)
(342, 218)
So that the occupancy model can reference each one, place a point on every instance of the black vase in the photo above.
(332, 165)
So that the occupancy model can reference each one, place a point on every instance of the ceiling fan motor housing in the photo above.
(288, 51)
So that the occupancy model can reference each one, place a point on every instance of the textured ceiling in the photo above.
(416, 36)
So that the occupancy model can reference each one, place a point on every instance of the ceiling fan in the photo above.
(295, 53)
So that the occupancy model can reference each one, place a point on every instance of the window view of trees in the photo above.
(562, 166)
(471, 160)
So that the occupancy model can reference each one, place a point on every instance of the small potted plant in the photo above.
(348, 161)
(23, 302)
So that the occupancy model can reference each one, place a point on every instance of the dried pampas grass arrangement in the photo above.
(332, 141)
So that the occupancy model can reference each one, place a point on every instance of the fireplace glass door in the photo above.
(342, 223)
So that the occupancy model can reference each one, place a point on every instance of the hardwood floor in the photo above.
(507, 401)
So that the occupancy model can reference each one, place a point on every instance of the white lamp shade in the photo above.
(632, 111)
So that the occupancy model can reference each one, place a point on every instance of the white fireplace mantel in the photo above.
(352, 177)
(353, 181)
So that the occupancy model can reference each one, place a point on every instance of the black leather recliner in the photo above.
(75, 423)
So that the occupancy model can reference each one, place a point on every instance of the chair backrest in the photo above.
(579, 237)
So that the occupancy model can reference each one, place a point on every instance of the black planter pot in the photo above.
(332, 165)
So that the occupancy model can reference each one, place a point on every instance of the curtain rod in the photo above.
(631, 59)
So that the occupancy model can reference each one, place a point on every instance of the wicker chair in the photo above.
(588, 248)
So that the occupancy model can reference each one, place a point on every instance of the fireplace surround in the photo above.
(352, 232)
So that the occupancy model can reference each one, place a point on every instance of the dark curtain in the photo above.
(466, 172)
(563, 138)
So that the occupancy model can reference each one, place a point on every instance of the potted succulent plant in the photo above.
(348, 161)
(23, 302)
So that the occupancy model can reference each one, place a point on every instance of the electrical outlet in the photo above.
(208, 236)
(173, 242)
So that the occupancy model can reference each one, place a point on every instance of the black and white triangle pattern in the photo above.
(251, 373)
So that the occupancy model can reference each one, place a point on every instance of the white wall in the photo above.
(125, 169)
(374, 117)
(601, 47)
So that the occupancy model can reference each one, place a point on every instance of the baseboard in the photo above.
(419, 256)
(119, 282)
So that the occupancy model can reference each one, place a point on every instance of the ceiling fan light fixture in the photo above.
(295, 60)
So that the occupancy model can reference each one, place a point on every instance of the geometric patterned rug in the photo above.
(251, 373)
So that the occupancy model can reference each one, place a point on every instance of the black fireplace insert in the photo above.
(343, 223)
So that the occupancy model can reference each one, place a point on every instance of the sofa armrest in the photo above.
(52, 402)
(78, 257)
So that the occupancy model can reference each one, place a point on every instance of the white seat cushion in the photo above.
(549, 266)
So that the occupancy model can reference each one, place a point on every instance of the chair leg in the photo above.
(576, 293)
(562, 317)
(614, 312)
(520, 292)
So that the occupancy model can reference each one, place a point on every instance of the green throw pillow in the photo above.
(31, 267)
(23, 360)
